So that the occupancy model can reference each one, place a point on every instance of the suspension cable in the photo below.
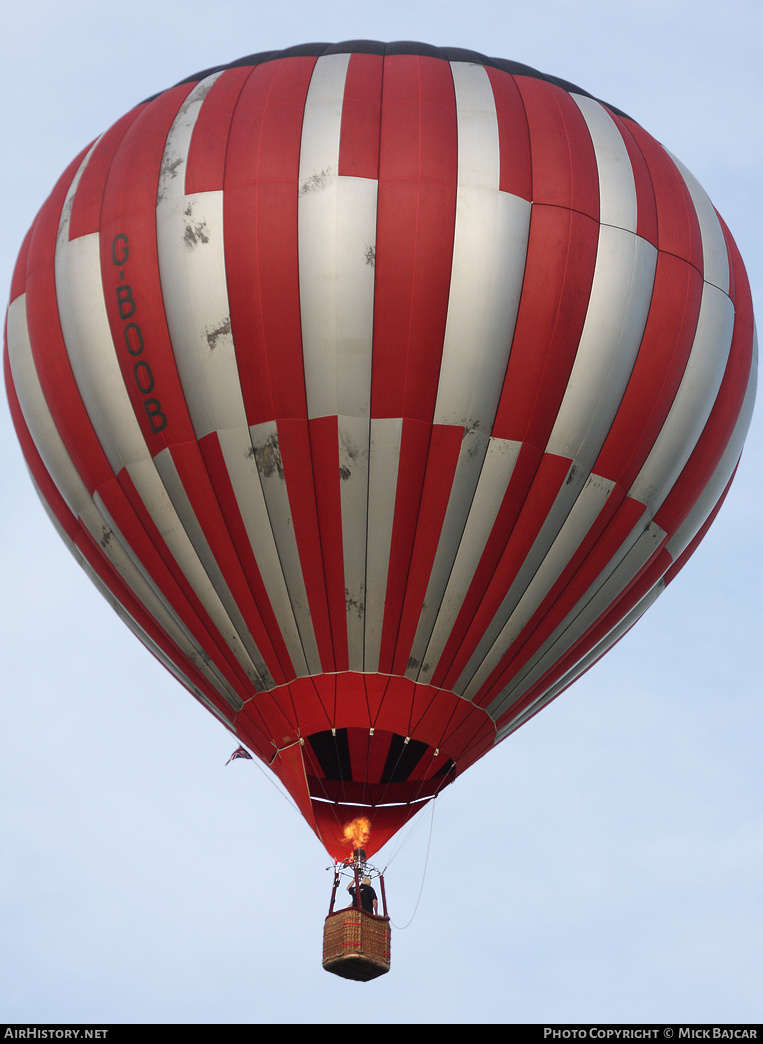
(401, 927)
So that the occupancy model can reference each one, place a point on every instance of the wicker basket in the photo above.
(356, 944)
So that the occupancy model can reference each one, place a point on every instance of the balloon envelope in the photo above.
(380, 389)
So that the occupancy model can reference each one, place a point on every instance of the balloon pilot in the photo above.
(367, 896)
(360, 888)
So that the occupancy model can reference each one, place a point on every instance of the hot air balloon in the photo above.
(380, 389)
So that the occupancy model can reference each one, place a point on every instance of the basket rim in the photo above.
(357, 910)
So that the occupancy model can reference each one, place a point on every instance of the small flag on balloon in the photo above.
(240, 753)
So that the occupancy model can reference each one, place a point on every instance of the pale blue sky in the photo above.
(602, 865)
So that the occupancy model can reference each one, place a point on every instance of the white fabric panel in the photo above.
(89, 345)
(713, 491)
(354, 437)
(91, 512)
(337, 245)
(191, 252)
(595, 654)
(584, 513)
(267, 455)
(479, 156)
(88, 340)
(39, 421)
(578, 522)
(495, 475)
(190, 236)
(386, 437)
(489, 249)
(715, 254)
(337, 238)
(90, 349)
(160, 506)
(192, 265)
(618, 203)
(474, 673)
(614, 325)
(91, 352)
(194, 289)
(337, 235)
(134, 626)
(227, 616)
(693, 402)
(594, 603)
(241, 465)
(471, 457)
(490, 244)
(149, 594)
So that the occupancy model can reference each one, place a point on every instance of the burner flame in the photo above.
(357, 832)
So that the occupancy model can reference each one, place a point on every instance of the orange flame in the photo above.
(357, 832)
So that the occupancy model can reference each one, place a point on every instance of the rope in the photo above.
(402, 927)
(276, 786)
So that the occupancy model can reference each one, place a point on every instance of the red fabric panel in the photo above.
(350, 703)
(377, 755)
(723, 417)
(330, 821)
(626, 600)
(86, 206)
(205, 167)
(290, 769)
(414, 448)
(359, 742)
(193, 475)
(665, 348)
(546, 485)
(281, 667)
(513, 135)
(646, 205)
(93, 555)
(324, 449)
(130, 271)
(294, 444)
(511, 506)
(414, 243)
(440, 717)
(466, 733)
(124, 505)
(677, 226)
(273, 713)
(711, 444)
(313, 702)
(376, 686)
(48, 349)
(561, 256)
(741, 295)
(18, 280)
(394, 712)
(564, 167)
(613, 526)
(689, 550)
(361, 117)
(260, 215)
(444, 449)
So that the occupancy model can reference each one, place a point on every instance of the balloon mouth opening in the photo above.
(357, 787)
(373, 767)
(365, 787)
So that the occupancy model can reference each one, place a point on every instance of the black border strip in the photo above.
(450, 54)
